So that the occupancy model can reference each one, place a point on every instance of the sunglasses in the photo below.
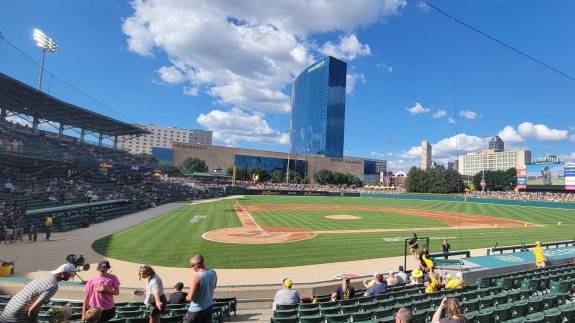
(192, 265)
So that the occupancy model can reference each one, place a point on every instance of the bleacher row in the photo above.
(527, 296)
(135, 312)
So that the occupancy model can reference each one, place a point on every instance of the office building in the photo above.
(425, 158)
(491, 159)
(162, 137)
(496, 143)
(222, 158)
(318, 109)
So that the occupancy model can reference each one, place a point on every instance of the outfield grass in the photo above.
(171, 239)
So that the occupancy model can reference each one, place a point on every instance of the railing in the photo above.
(526, 247)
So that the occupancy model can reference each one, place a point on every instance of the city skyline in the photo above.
(413, 74)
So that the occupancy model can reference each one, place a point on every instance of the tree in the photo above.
(277, 176)
(497, 180)
(436, 180)
(323, 177)
(194, 165)
(169, 168)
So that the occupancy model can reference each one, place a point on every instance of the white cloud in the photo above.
(572, 138)
(349, 48)
(171, 74)
(351, 81)
(245, 52)
(541, 132)
(418, 108)
(449, 147)
(385, 67)
(509, 135)
(439, 114)
(423, 6)
(191, 90)
(18, 120)
(467, 114)
(237, 125)
(451, 121)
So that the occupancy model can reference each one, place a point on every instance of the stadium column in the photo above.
(100, 139)
(61, 130)
(82, 134)
(115, 142)
(3, 114)
(35, 122)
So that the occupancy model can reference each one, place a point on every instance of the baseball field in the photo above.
(281, 231)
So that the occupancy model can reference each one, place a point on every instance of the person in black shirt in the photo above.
(178, 297)
(445, 248)
(413, 245)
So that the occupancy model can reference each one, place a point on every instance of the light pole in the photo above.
(46, 44)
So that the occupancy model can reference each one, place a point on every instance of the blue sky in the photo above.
(227, 66)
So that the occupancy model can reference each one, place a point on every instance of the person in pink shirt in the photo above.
(100, 291)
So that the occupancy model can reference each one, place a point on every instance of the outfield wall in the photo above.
(457, 198)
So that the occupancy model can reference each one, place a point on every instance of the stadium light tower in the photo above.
(46, 44)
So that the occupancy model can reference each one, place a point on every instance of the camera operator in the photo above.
(25, 305)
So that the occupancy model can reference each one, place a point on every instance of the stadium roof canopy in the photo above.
(21, 98)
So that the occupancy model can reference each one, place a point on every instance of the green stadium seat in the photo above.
(291, 319)
(387, 319)
(173, 319)
(361, 316)
(330, 310)
(470, 306)
(549, 301)
(286, 307)
(138, 320)
(337, 318)
(501, 312)
(347, 302)
(567, 312)
(178, 312)
(485, 316)
(383, 312)
(369, 307)
(535, 317)
(349, 309)
(516, 320)
(552, 315)
(129, 314)
(486, 302)
(311, 319)
(128, 308)
(308, 306)
(308, 311)
(285, 313)
(519, 308)
(535, 304)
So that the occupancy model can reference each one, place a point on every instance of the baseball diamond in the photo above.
(268, 231)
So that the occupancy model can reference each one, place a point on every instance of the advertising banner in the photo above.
(521, 178)
(570, 176)
(546, 174)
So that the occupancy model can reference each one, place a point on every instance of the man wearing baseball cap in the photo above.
(25, 305)
(100, 291)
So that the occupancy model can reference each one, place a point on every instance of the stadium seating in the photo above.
(134, 312)
(538, 295)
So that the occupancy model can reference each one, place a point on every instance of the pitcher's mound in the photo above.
(342, 217)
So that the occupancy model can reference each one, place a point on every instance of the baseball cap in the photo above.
(416, 273)
(287, 283)
(65, 268)
(103, 265)
(179, 285)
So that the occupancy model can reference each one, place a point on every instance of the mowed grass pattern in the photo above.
(171, 239)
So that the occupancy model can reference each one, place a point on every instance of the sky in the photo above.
(227, 66)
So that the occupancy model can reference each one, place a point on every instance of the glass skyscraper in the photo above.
(318, 109)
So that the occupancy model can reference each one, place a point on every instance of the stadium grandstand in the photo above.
(77, 182)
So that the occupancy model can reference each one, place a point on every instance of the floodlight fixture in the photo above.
(46, 44)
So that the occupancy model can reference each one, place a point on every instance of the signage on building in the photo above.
(316, 66)
(570, 176)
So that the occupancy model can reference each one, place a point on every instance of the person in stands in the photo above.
(378, 288)
(178, 297)
(286, 295)
(154, 299)
(344, 291)
(25, 305)
(201, 293)
(100, 291)
(403, 316)
(538, 254)
(402, 276)
(453, 312)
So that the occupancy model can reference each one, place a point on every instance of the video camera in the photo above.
(78, 261)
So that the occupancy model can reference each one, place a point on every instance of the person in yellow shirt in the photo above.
(371, 282)
(48, 226)
(538, 254)
(455, 282)
(435, 285)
